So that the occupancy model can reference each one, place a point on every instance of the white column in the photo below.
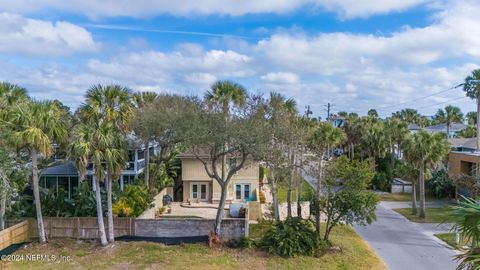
(121, 182)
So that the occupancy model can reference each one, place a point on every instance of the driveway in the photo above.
(406, 245)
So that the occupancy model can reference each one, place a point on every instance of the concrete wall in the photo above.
(231, 228)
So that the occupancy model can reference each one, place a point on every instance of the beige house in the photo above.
(199, 187)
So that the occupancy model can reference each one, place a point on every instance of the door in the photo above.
(199, 191)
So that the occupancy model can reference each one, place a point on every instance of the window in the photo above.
(195, 191)
(238, 192)
(246, 191)
(131, 155)
(141, 154)
(242, 191)
(203, 192)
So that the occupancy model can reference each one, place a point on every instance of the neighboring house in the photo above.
(442, 128)
(199, 187)
(66, 175)
(414, 128)
(337, 121)
(463, 144)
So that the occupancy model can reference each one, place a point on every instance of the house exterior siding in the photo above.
(193, 172)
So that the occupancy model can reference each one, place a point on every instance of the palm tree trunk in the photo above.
(101, 226)
(147, 162)
(290, 184)
(448, 130)
(36, 195)
(317, 208)
(3, 206)
(421, 183)
(299, 193)
(276, 210)
(414, 198)
(111, 235)
(221, 206)
(3, 200)
(478, 123)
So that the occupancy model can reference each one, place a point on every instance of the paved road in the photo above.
(405, 245)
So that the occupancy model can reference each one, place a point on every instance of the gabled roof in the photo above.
(67, 168)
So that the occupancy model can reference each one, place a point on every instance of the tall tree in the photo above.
(37, 126)
(471, 118)
(425, 149)
(374, 141)
(410, 116)
(211, 142)
(397, 132)
(110, 108)
(145, 132)
(353, 131)
(10, 94)
(279, 111)
(472, 90)
(449, 115)
(323, 137)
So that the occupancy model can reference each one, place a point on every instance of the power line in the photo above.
(453, 99)
(420, 98)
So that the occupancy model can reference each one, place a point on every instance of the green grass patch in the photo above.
(283, 191)
(354, 254)
(432, 215)
(405, 197)
(449, 238)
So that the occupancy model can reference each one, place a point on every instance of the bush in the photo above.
(262, 198)
(243, 242)
(381, 181)
(292, 237)
(134, 200)
(122, 209)
(441, 185)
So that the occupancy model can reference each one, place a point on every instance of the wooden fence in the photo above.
(79, 227)
(15, 234)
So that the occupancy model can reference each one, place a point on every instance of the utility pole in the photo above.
(329, 106)
(308, 112)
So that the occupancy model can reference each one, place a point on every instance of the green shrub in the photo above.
(381, 181)
(261, 196)
(292, 237)
(243, 242)
(441, 185)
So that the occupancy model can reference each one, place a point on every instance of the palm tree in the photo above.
(397, 131)
(472, 90)
(37, 126)
(280, 110)
(142, 99)
(469, 132)
(323, 137)
(425, 149)
(450, 115)
(10, 94)
(471, 118)
(110, 109)
(467, 222)
(220, 96)
(88, 146)
(353, 131)
(375, 141)
(410, 116)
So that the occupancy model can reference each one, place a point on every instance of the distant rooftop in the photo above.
(67, 168)
(443, 127)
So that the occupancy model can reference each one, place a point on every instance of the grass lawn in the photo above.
(404, 197)
(433, 215)
(449, 238)
(283, 190)
(355, 254)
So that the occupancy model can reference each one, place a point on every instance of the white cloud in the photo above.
(39, 37)
(280, 77)
(142, 8)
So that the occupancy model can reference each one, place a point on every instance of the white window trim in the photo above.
(242, 191)
(199, 192)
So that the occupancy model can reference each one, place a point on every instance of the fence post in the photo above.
(78, 228)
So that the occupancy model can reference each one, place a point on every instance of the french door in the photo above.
(199, 191)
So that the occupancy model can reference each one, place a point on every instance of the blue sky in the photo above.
(384, 54)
